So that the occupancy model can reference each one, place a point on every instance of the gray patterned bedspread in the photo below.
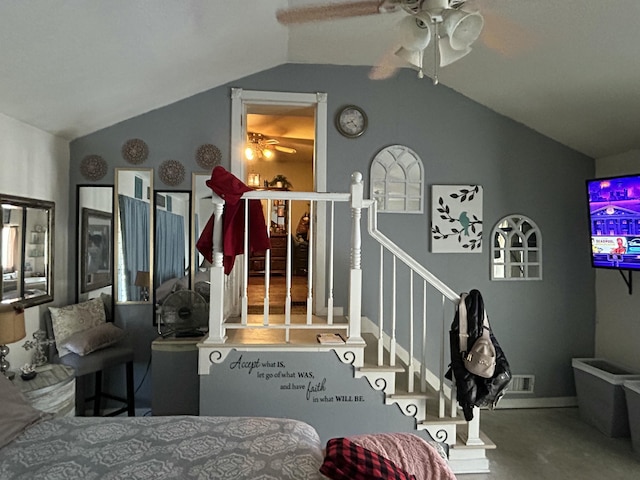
(164, 448)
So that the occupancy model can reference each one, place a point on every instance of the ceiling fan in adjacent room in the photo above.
(260, 146)
(450, 24)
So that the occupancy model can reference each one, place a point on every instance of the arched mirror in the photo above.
(172, 243)
(133, 224)
(95, 238)
(26, 246)
(516, 249)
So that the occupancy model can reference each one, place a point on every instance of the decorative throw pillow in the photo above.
(417, 456)
(345, 460)
(75, 318)
(96, 338)
(16, 415)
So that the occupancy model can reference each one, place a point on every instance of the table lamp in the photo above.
(11, 330)
(142, 281)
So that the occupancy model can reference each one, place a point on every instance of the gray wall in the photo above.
(541, 325)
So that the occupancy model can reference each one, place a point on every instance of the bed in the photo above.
(34, 445)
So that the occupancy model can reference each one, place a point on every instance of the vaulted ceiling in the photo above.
(567, 69)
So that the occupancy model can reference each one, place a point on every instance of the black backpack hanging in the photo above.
(473, 390)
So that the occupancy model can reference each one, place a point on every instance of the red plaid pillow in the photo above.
(346, 460)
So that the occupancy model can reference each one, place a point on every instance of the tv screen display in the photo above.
(614, 213)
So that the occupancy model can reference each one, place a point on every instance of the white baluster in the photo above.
(330, 273)
(394, 292)
(423, 366)
(355, 280)
(311, 246)
(410, 369)
(287, 264)
(442, 398)
(216, 277)
(245, 264)
(381, 310)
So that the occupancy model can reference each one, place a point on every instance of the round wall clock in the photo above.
(351, 121)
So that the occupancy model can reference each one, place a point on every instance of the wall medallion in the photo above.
(93, 167)
(208, 156)
(135, 151)
(171, 172)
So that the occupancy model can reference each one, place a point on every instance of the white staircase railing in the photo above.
(406, 291)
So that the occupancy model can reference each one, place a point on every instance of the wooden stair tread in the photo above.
(409, 395)
(432, 419)
(368, 367)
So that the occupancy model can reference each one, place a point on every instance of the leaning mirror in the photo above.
(27, 244)
(172, 242)
(133, 224)
(202, 211)
(95, 237)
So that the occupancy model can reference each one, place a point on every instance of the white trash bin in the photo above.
(632, 394)
(601, 398)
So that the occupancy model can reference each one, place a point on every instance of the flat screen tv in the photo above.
(614, 214)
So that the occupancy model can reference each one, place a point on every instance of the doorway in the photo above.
(290, 133)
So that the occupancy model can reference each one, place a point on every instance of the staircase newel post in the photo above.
(216, 272)
(355, 276)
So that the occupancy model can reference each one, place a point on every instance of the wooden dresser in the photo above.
(257, 261)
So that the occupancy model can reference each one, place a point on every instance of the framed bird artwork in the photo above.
(456, 220)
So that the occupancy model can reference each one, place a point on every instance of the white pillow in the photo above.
(96, 338)
(75, 318)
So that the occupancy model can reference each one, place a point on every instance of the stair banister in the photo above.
(473, 427)
(406, 259)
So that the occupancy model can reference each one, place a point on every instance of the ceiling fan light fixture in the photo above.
(412, 57)
(415, 33)
(449, 55)
(462, 27)
(267, 153)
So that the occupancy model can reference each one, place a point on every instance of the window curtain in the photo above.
(135, 226)
(169, 247)
(9, 246)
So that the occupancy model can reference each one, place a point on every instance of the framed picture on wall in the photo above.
(456, 219)
(96, 268)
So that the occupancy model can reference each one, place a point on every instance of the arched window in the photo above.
(397, 180)
(516, 249)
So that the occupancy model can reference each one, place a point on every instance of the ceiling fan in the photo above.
(451, 24)
(259, 147)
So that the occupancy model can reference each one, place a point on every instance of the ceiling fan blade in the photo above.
(501, 34)
(385, 68)
(284, 149)
(332, 11)
(271, 141)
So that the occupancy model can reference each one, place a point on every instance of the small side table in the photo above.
(53, 390)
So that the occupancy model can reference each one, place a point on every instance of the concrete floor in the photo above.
(553, 444)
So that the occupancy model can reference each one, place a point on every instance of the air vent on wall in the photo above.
(522, 384)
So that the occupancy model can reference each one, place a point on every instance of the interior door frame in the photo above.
(241, 101)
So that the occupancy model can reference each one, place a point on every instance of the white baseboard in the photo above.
(541, 402)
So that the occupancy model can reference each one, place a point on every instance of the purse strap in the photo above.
(462, 323)
(463, 332)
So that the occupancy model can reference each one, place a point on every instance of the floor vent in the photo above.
(522, 384)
